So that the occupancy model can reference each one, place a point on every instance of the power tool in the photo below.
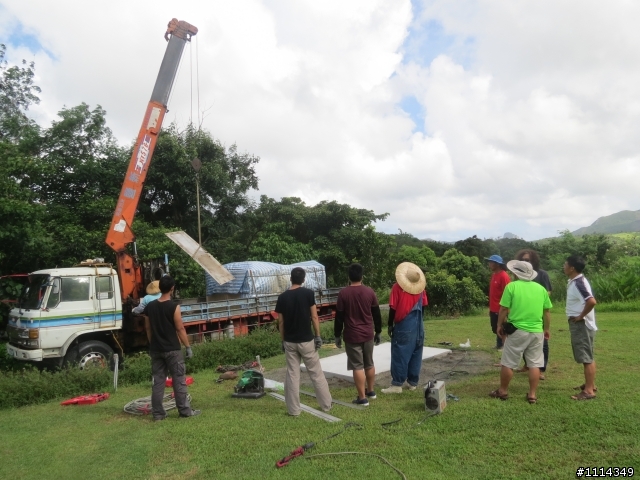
(250, 385)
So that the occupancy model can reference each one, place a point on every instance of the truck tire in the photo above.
(93, 353)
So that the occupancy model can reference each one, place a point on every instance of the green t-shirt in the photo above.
(526, 302)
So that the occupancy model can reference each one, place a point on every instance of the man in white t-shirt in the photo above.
(582, 323)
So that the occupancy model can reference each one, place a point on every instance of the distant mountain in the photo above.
(624, 221)
(510, 235)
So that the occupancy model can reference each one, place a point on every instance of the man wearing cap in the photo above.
(406, 307)
(499, 280)
(358, 310)
(153, 293)
(582, 323)
(524, 319)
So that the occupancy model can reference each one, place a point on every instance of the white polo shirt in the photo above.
(578, 292)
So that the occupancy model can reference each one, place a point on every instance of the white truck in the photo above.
(76, 315)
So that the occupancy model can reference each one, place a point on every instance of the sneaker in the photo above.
(392, 389)
(371, 395)
(361, 401)
(159, 419)
(411, 387)
(194, 413)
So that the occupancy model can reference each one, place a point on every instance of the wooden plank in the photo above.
(201, 256)
(312, 411)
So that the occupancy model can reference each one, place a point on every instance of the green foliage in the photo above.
(25, 385)
(262, 341)
(17, 94)
(423, 257)
(461, 266)
(30, 386)
(620, 283)
(593, 248)
(452, 296)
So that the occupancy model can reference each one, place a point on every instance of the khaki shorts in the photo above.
(581, 341)
(519, 344)
(359, 355)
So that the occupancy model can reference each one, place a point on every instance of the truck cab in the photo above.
(66, 314)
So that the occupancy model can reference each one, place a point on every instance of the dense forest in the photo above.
(59, 185)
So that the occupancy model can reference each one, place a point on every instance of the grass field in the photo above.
(476, 437)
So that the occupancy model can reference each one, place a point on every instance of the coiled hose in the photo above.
(142, 406)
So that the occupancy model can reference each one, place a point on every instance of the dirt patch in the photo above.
(456, 366)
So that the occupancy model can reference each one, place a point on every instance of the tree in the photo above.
(225, 179)
(335, 234)
(17, 94)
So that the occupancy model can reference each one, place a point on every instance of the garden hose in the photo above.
(142, 406)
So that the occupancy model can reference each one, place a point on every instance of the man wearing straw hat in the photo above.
(153, 293)
(524, 316)
(406, 305)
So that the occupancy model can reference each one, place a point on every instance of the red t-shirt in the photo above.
(496, 288)
(402, 302)
(356, 302)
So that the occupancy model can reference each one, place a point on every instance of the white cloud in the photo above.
(535, 131)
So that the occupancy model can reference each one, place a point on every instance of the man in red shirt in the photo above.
(499, 280)
(358, 311)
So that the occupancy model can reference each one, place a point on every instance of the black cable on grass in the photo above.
(453, 371)
(359, 453)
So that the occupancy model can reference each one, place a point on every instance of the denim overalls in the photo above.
(406, 347)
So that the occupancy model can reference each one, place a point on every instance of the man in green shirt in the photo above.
(524, 320)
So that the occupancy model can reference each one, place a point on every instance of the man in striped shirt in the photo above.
(582, 323)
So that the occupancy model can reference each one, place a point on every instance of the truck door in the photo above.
(70, 302)
(105, 301)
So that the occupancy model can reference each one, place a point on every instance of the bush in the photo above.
(619, 283)
(262, 341)
(31, 386)
(28, 385)
(451, 296)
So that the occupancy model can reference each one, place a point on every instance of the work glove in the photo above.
(283, 350)
(390, 331)
(338, 342)
(189, 352)
(318, 342)
(376, 339)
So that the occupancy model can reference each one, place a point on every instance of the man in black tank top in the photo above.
(163, 322)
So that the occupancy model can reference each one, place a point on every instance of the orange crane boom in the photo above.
(120, 234)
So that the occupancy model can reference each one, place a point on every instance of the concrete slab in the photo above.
(336, 365)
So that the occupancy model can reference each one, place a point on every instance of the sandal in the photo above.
(581, 387)
(532, 400)
(497, 394)
(583, 396)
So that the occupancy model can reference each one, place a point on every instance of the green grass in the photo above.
(477, 437)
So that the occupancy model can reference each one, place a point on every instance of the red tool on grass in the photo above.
(86, 399)
(298, 452)
(169, 382)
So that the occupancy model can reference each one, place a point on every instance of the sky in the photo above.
(458, 118)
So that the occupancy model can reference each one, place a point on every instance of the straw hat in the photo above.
(522, 270)
(410, 278)
(153, 288)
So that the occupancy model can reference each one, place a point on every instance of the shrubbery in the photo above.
(451, 296)
(28, 385)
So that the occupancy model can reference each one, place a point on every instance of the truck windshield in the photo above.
(33, 292)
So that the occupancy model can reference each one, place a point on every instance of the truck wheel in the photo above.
(94, 353)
